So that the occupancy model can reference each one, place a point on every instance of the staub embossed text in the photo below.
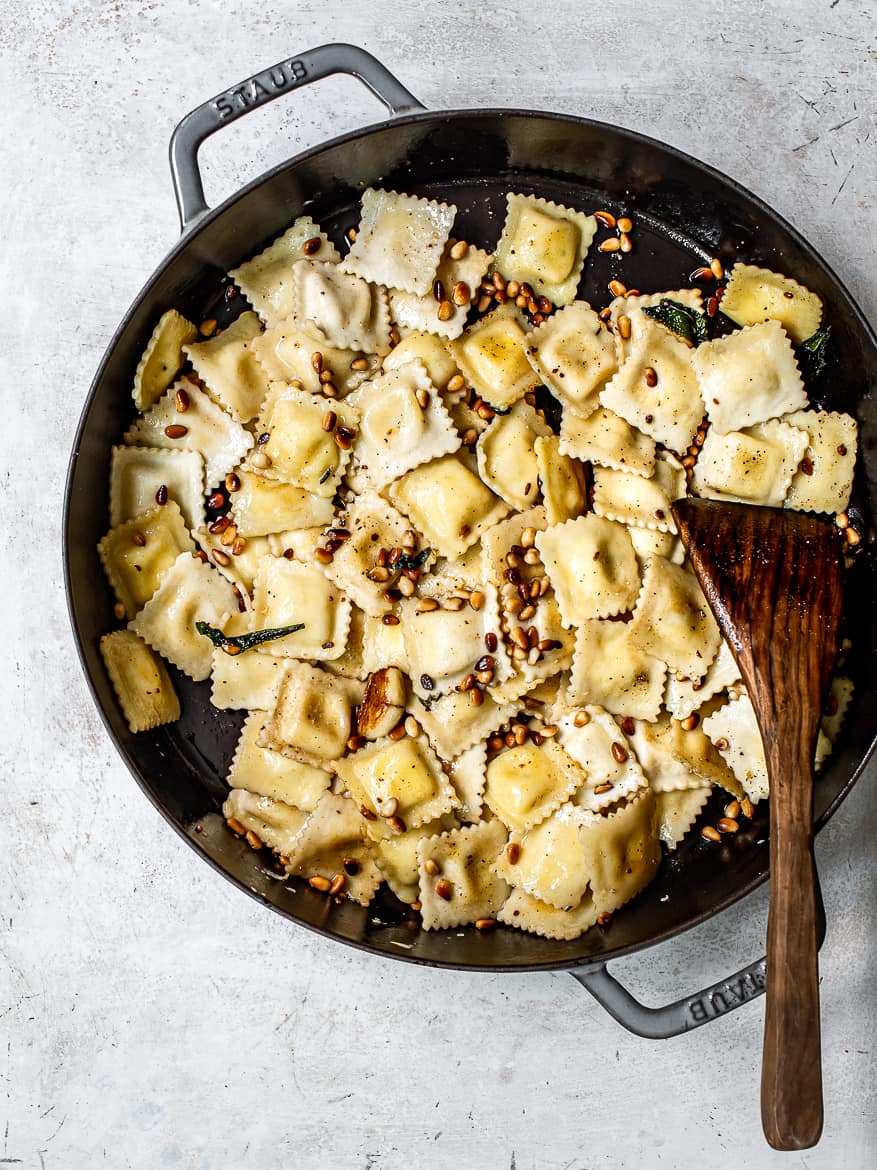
(258, 88)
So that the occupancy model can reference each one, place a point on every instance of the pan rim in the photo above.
(186, 238)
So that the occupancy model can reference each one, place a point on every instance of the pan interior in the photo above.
(684, 215)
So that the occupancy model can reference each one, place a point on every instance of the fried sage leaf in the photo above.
(812, 355)
(241, 642)
(690, 324)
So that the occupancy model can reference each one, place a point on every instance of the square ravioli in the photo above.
(677, 812)
(606, 439)
(266, 280)
(227, 365)
(561, 481)
(403, 424)
(734, 730)
(524, 912)
(621, 851)
(444, 646)
(140, 680)
(190, 591)
(611, 670)
(591, 737)
(574, 355)
(639, 502)
(458, 883)
(263, 506)
(749, 377)
(448, 503)
(139, 474)
(592, 567)
(162, 358)
(673, 621)
(547, 861)
(656, 388)
(332, 844)
(302, 437)
(754, 466)
(135, 555)
(429, 349)
(544, 244)
(526, 783)
(404, 775)
(275, 823)
(287, 593)
(753, 295)
(312, 718)
(400, 240)
(675, 759)
(201, 426)
(287, 351)
(506, 455)
(444, 307)
(491, 355)
(339, 308)
(246, 682)
(269, 773)
(824, 479)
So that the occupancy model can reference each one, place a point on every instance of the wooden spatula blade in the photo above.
(774, 580)
(778, 576)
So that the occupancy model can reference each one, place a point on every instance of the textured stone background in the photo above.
(150, 1015)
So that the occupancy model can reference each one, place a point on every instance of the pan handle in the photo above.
(691, 1011)
(260, 89)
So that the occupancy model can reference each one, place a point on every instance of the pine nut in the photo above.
(732, 809)
(406, 586)
(727, 825)
(221, 558)
(462, 293)
(176, 431)
(330, 418)
(625, 243)
(319, 883)
(360, 363)
(426, 605)
(716, 268)
(613, 244)
(412, 727)
(710, 834)
(337, 884)
(232, 482)
(605, 218)
(513, 852)
(236, 826)
(181, 398)
(476, 697)
(456, 383)
(485, 924)
(207, 328)
(459, 250)
(317, 361)
(311, 246)
(625, 224)
(619, 753)
(260, 460)
(445, 311)
(747, 807)
(119, 611)
(444, 889)
(691, 722)
(624, 326)
(581, 719)
(651, 376)
(701, 274)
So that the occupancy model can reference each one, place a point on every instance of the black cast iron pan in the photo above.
(686, 213)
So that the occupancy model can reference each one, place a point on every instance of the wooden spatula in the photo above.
(773, 579)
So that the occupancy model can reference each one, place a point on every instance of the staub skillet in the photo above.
(686, 212)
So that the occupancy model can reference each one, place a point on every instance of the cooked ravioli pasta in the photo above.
(471, 658)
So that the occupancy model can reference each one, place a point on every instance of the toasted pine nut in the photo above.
(710, 834)
(612, 244)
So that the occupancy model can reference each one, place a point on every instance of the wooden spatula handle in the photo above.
(791, 1076)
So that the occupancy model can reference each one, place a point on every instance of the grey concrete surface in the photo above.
(150, 1015)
